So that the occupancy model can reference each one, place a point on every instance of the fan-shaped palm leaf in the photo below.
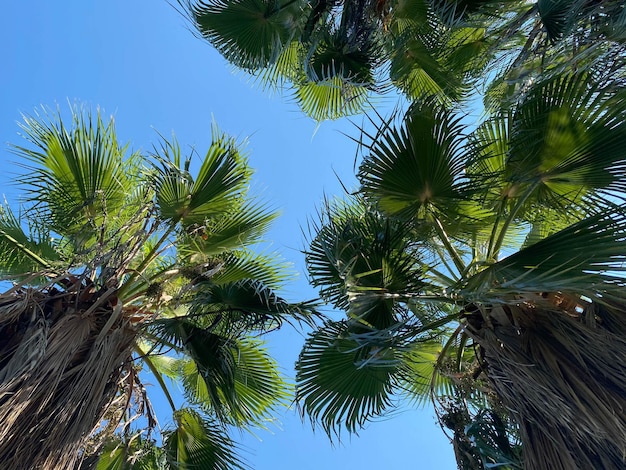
(330, 99)
(247, 305)
(197, 442)
(22, 253)
(80, 175)
(212, 356)
(567, 138)
(419, 165)
(259, 387)
(249, 33)
(337, 383)
(357, 257)
(241, 224)
(221, 178)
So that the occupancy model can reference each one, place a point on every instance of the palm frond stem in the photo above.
(36, 258)
(442, 277)
(159, 378)
(151, 256)
(520, 203)
(494, 230)
(443, 236)
(433, 325)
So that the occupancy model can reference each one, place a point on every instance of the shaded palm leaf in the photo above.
(338, 383)
(561, 262)
(210, 353)
(197, 442)
(358, 254)
(490, 436)
(558, 16)
(250, 34)
(247, 305)
(567, 138)
(22, 253)
(259, 387)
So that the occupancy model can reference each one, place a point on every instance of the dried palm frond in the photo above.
(59, 371)
(565, 351)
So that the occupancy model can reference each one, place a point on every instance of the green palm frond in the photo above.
(250, 34)
(422, 374)
(357, 253)
(567, 139)
(242, 224)
(336, 54)
(259, 387)
(210, 354)
(342, 384)
(558, 16)
(418, 166)
(22, 253)
(587, 257)
(286, 68)
(79, 176)
(330, 99)
(198, 442)
(268, 269)
(133, 454)
(490, 145)
(221, 179)
(247, 305)
(432, 61)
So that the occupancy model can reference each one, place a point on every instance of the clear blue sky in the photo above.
(138, 61)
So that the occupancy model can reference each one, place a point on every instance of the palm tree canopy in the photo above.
(122, 262)
(482, 249)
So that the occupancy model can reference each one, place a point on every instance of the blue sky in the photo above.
(139, 62)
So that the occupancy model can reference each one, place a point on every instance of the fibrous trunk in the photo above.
(62, 356)
(558, 364)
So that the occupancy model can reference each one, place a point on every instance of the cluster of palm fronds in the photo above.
(125, 265)
(337, 55)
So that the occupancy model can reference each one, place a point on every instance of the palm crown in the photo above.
(122, 261)
(480, 269)
(336, 56)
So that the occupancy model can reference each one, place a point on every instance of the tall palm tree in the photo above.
(484, 269)
(337, 56)
(124, 264)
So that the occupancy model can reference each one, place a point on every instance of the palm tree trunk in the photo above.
(559, 367)
(58, 374)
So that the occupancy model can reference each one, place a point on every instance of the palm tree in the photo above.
(125, 265)
(485, 270)
(337, 56)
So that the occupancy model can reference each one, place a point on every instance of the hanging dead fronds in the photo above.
(556, 363)
(59, 371)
